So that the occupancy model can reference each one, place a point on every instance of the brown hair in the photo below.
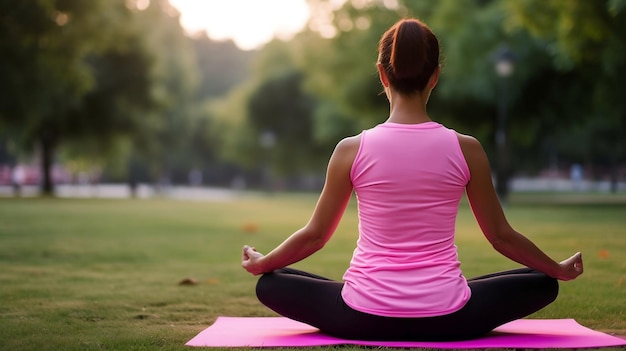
(409, 54)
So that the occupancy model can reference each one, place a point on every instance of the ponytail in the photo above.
(409, 53)
(407, 50)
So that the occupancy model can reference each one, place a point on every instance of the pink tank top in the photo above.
(408, 179)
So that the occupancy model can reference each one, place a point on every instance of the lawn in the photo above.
(88, 274)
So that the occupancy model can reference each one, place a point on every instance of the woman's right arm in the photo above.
(330, 207)
(494, 225)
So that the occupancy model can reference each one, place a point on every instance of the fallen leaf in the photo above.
(188, 281)
(250, 228)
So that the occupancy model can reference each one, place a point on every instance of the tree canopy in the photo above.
(72, 70)
(118, 77)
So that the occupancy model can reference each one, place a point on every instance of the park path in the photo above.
(122, 191)
(206, 193)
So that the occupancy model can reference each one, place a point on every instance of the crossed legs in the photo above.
(496, 299)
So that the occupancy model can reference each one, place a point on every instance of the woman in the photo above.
(409, 173)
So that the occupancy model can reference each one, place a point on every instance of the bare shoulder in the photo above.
(350, 142)
(349, 145)
(470, 146)
(346, 150)
(468, 141)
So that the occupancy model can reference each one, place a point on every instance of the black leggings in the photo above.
(496, 299)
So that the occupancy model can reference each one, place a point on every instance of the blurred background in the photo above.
(147, 97)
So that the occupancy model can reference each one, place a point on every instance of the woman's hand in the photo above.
(251, 260)
(571, 268)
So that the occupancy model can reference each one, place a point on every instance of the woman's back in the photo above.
(409, 179)
(409, 175)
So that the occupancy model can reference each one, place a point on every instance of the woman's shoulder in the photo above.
(349, 143)
(472, 151)
(348, 147)
(468, 143)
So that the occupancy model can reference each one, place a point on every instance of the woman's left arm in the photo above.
(330, 207)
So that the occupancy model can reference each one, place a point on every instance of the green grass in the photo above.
(103, 274)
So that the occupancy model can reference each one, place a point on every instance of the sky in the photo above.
(249, 23)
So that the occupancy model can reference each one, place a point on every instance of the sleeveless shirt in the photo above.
(408, 180)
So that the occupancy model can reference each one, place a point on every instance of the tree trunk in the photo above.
(48, 146)
(133, 175)
(614, 177)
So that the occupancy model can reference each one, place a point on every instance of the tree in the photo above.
(282, 115)
(72, 69)
(166, 150)
(587, 40)
(221, 66)
(269, 119)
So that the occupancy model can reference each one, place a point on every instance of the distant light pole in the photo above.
(504, 60)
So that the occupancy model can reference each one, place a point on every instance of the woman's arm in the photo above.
(322, 224)
(494, 225)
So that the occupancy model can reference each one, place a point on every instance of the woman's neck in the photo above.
(408, 109)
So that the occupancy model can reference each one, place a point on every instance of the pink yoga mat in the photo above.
(283, 332)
